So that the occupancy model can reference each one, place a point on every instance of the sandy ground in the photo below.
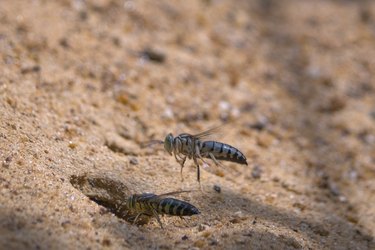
(83, 83)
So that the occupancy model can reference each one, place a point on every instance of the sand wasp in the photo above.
(194, 147)
(154, 205)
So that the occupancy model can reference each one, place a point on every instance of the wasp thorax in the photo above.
(168, 143)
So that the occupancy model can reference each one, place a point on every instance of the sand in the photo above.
(84, 83)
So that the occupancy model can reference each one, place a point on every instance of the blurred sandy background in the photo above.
(83, 83)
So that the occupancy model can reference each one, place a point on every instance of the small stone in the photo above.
(320, 230)
(199, 243)
(7, 161)
(342, 198)
(275, 179)
(224, 106)
(133, 161)
(304, 226)
(333, 188)
(224, 235)
(30, 69)
(203, 227)
(213, 242)
(238, 217)
(264, 140)
(235, 112)
(367, 138)
(64, 42)
(352, 218)
(372, 114)
(260, 124)
(103, 210)
(72, 145)
(106, 242)
(168, 113)
(240, 241)
(247, 107)
(217, 188)
(256, 172)
(300, 206)
(353, 175)
(65, 224)
(206, 233)
(334, 104)
(185, 237)
(153, 55)
(219, 173)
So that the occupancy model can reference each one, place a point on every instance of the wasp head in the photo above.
(168, 143)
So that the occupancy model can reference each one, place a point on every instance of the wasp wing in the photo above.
(173, 193)
(209, 132)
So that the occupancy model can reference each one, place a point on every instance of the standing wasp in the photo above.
(152, 205)
(194, 147)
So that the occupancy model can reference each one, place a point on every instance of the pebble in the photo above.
(334, 104)
(256, 172)
(217, 188)
(168, 113)
(372, 114)
(333, 188)
(199, 243)
(318, 229)
(238, 217)
(260, 124)
(224, 106)
(133, 161)
(72, 145)
(299, 205)
(106, 242)
(7, 161)
(153, 55)
(353, 175)
(264, 140)
(213, 242)
(30, 69)
(203, 227)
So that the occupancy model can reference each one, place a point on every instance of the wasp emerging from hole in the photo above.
(152, 205)
(194, 147)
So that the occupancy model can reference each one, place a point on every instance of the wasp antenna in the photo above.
(150, 143)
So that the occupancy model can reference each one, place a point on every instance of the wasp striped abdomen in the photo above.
(222, 151)
(176, 207)
(154, 205)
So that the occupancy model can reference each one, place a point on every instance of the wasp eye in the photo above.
(168, 143)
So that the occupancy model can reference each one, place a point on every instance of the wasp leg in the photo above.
(125, 214)
(184, 219)
(198, 173)
(158, 218)
(197, 156)
(136, 218)
(181, 160)
(216, 161)
(182, 166)
(201, 158)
